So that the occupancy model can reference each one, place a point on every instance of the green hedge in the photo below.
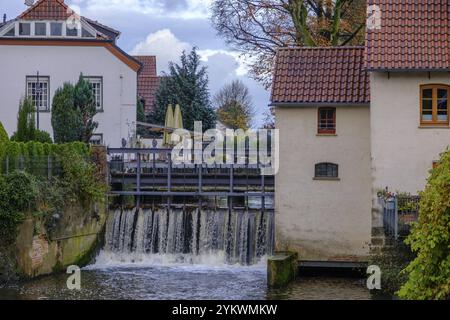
(33, 156)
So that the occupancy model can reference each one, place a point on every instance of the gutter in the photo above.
(107, 43)
(318, 104)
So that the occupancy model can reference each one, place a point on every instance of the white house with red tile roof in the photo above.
(52, 41)
(356, 120)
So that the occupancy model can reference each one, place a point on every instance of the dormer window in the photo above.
(24, 29)
(56, 29)
(40, 29)
(48, 29)
(71, 31)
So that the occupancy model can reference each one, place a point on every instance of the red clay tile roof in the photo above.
(149, 65)
(414, 35)
(58, 10)
(47, 10)
(320, 75)
(148, 81)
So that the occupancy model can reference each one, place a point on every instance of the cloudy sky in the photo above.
(165, 28)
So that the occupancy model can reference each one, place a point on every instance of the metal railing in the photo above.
(41, 166)
(399, 212)
(152, 173)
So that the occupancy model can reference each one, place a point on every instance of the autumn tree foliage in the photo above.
(256, 28)
(234, 106)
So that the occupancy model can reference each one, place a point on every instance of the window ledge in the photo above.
(326, 179)
(326, 135)
(434, 126)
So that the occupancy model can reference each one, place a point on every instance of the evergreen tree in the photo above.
(3, 134)
(66, 119)
(186, 84)
(140, 116)
(26, 123)
(84, 103)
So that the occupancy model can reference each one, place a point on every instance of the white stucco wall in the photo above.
(64, 64)
(402, 151)
(324, 220)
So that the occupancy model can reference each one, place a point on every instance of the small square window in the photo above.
(24, 29)
(327, 121)
(326, 171)
(56, 29)
(40, 29)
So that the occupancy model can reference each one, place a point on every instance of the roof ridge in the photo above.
(319, 48)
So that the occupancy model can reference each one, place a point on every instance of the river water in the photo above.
(157, 278)
(185, 255)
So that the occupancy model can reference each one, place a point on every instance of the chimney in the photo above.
(4, 17)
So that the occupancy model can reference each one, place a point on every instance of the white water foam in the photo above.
(186, 238)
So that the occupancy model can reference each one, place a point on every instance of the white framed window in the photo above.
(38, 92)
(24, 29)
(97, 89)
(40, 29)
(56, 29)
(97, 139)
(48, 29)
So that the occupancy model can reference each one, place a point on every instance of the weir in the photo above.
(188, 211)
(240, 237)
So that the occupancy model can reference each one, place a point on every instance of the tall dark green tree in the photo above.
(3, 135)
(26, 123)
(66, 119)
(185, 84)
(140, 116)
(84, 102)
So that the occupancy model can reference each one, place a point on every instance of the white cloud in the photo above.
(180, 9)
(164, 45)
(241, 69)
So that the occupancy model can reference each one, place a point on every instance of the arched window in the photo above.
(326, 170)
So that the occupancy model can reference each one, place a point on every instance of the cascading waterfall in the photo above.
(240, 237)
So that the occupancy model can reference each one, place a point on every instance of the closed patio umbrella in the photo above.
(178, 118)
(168, 124)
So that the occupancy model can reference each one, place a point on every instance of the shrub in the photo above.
(80, 175)
(42, 136)
(429, 273)
(18, 194)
